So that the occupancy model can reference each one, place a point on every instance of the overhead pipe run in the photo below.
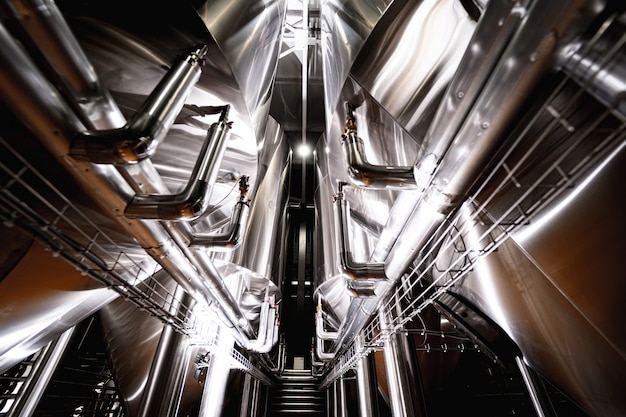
(364, 174)
(45, 26)
(474, 144)
(230, 238)
(140, 137)
(193, 200)
(39, 106)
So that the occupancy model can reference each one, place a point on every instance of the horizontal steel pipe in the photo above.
(45, 28)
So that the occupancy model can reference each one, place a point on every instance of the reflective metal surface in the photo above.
(480, 156)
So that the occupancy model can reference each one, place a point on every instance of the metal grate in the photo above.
(30, 201)
(574, 131)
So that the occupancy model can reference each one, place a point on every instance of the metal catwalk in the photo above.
(329, 208)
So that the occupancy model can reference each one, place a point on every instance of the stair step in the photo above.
(297, 394)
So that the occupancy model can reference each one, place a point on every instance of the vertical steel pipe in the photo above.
(247, 397)
(367, 387)
(216, 380)
(164, 388)
(403, 379)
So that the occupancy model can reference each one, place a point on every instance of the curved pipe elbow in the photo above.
(319, 328)
(141, 136)
(364, 174)
(193, 201)
(320, 353)
(188, 205)
(268, 330)
(354, 270)
(229, 240)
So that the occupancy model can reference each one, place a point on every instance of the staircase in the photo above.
(297, 395)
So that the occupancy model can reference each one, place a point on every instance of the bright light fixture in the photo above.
(304, 150)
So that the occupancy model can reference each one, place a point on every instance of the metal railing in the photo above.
(30, 201)
(582, 144)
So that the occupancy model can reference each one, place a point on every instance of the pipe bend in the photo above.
(356, 271)
(193, 200)
(320, 332)
(268, 329)
(364, 174)
(232, 237)
(140, 137)
(188, 205)
(320, 353)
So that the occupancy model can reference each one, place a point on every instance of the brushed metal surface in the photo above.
(555, 288)
(37, 305)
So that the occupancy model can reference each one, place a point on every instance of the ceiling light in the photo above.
(304, 150)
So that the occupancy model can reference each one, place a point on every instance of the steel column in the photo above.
(402, 373)
(367, 387)
(166, 380)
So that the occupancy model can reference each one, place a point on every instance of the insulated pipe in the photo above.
(140, 137)
(535, 39)
(367, 387)
(46, 28)
(364, 174)
(320, 332)
(493, 32)
(38, 105)
(231, 238)
(193, 200)
(357, 271)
